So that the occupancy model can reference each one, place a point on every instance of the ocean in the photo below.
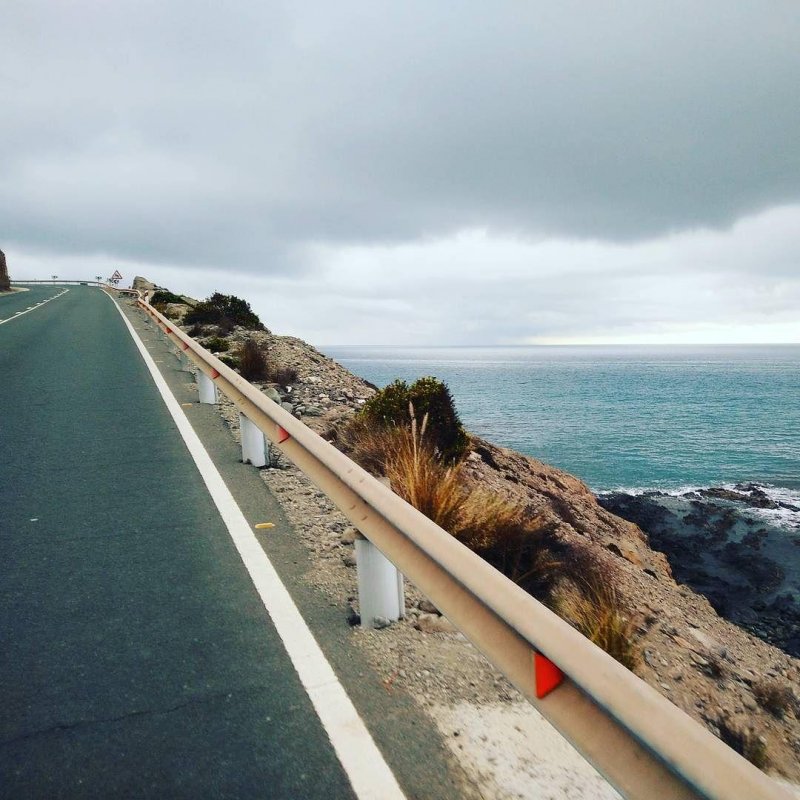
(629, 418)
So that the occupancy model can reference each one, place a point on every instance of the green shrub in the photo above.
(430, 398)
(165, 296)
(231, 361)
(225, 326)
(225, 311)
(217, 345)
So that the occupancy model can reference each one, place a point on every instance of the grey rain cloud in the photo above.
(234, 134)
(416, 171)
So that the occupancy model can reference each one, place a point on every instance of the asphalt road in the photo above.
(18, 302)
(136, 659)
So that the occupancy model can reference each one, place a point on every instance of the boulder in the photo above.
(433, 623)
(143, 284)
(349, 535)
(5, 283)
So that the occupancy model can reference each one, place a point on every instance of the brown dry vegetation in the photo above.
(777, 698)
(744, 740)
(594, 608)
(252, 362)
(503, 532)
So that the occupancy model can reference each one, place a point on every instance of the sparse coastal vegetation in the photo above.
(423, 462)
(598, 570)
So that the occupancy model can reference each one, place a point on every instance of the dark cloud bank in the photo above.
(238, 134)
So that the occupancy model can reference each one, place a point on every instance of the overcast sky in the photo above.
(417, 172)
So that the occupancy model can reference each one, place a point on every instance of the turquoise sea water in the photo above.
(632, 417)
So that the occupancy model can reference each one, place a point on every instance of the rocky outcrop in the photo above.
(566, 502)
(5, 283)
(142, 284)
(715, 671)
(747, 566)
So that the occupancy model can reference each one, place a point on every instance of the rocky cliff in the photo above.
(5, 283)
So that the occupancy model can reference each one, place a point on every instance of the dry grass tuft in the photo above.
(517, 543)
(419, 477)
(593, 606)
(252, 362)
(520, 544)
(777, 698)
(365, 443)
(283, 376)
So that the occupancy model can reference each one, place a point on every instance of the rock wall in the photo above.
(5, 284)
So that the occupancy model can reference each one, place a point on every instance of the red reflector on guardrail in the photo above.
(184, 346)
(214, 374)
(546, 674)
(282, 435)
(167, 330)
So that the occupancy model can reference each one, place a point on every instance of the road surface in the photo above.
(137, 659)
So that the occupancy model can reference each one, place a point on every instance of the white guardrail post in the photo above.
(255, 448)
(646, 747)
(206, 388)
(381, 593)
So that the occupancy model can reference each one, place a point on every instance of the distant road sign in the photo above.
(116, 276)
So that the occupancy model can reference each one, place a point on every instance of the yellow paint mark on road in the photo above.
(187, 405)
(264, 525)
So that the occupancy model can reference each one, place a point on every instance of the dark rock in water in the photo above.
(748, 570)
(746, 493)
(723, 494)
(758, 498)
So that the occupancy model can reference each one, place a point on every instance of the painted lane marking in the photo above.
(18, 314)
(369, 775)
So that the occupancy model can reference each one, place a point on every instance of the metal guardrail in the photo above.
(644, 745)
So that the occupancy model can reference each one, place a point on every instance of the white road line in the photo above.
(369, 775)
(18, 314)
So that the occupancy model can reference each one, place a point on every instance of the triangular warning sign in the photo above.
(116, 276)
